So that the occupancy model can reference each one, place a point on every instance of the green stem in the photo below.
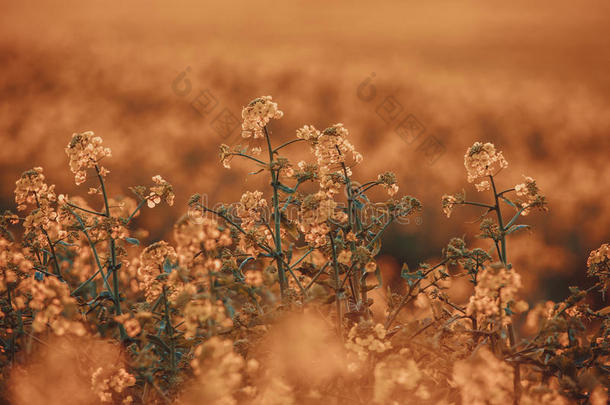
(250, 157)
(365, 189)
(511, 330)
(478, 204)
(169, 329)
(512, 221)
(276, 217)
(296, 279)
(354, 278)
(236, 226)
(336, 280)
(140, 205)
(318, 274)
(286, 144)
(407, 297)
(500, 222)
(378, 235)
(101, 214)
(51, 247)
(301, 259)
(95, 255)
(113, 264)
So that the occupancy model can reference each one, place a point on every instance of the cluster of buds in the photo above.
(495, 295)
(364, 339)
(154, 262)
(483, 160)
(531, 195)
(161, 191)
(109, 385)
(598, 264)
(85, 151)
(257, 115)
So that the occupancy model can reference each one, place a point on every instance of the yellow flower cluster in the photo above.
(225, 156)
(315, 212)
(41, 223)
(483, 160)
(256, 116)
(219, 370)
(308, 133)
(85, 151)
(31, 189)
(531, 194)
(152, 261)
(105, 383)
(363, 339)
(483, 379)
(495, 292)
(254, 278)
(53, 305)
(331, 149)
(192, 235)
(394, 374)
(131, 324)
(198, 313)
(161, 191)
(448, 203)
(11, 260)
(388, 182)
(598, 264)
(250, 209)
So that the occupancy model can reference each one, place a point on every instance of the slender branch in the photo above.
(95, 255)
(336, 277)
(113, 264)
(260, 162)
(478, 204)
(365, 189)
(512, 221)
(169, 329)
(140, 205)
(500, 222)
(318, 274)
(276, 217)
(510, 328)
(378, 235)
(101, 214)
(287, 143)
(51, 246)
(296, 279)
(407, 297)
(301, 259)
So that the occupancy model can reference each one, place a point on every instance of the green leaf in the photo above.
(509, 202)
(376, 247)
(167, 266)
(405, 271)
(410, 277)
(285, 188)
(133, 241)
(157, 341)
(515, 228)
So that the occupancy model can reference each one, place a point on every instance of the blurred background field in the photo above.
(530, 77)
